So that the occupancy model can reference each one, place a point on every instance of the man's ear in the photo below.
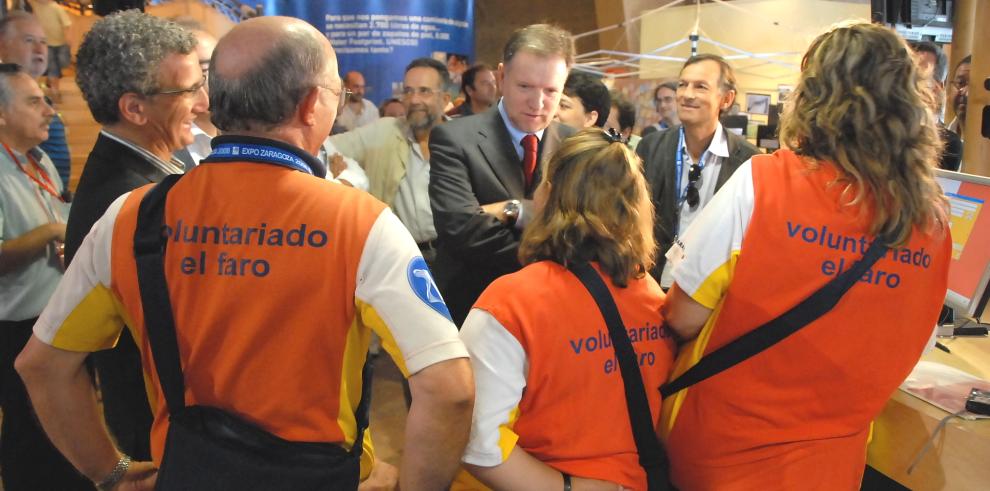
(307, 111)
(590, 118)
(727, 99)
(133, 108)
(500, 75)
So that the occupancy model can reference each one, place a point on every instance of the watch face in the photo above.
(511, 209)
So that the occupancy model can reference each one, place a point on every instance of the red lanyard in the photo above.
(47, 185)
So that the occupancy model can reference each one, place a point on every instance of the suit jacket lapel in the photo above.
(111, 151)
(731, 163)
(499, 150)
(186, 158)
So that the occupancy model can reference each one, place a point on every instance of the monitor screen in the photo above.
(969, 220)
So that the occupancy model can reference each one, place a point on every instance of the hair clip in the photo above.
(613, 136)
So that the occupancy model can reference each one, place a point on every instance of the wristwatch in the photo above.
(115, 475)
(511, 211)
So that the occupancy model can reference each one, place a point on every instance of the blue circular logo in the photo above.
(421, 282)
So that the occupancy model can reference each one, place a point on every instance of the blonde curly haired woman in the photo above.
(860, 148)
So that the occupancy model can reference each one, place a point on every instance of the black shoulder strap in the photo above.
(149, 253)
(652, 456)
(769, 334)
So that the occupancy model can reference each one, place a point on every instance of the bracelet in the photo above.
(567, 481)
(115, 475)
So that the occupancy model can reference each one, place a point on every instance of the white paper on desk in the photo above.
(943, 386)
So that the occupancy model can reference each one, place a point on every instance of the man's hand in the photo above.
(337, 164)
(140, 476)
(20, 251)
(497, 210)
(383, 477)
(57, 231)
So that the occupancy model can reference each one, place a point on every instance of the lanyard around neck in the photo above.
(679, 167)
(45, 183)
(260, 153)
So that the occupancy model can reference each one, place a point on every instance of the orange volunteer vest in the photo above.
(261, 264)
(797, 415)
(572, 415)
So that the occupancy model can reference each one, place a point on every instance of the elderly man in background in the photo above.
(141, 77)
(32, 228)
(22, 41)
(358, 111)
(302, 314)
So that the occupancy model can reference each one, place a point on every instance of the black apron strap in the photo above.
(774, 331)
(652, 456)
(149, 253)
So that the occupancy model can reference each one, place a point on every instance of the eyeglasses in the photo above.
(960, 83)
(422, 91)
(191, 91)
(691, 195)
(343, 94)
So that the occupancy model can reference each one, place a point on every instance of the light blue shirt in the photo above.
(24, 206)
(516, 134)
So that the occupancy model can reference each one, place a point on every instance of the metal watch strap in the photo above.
(511, 211)
(116, 474)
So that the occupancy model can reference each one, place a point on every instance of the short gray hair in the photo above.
(122, 53)
(267, 94)
(540, 39)
(7, 72)
(12, 17)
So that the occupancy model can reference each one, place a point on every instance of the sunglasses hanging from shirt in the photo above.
(690, 194)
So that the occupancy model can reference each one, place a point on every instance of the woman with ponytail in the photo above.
(550, 409)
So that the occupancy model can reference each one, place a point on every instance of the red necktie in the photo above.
(529, 144)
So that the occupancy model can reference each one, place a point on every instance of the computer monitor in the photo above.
(766, 137)
(736, 123)
(969, 220)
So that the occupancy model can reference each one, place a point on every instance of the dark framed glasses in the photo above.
(189, 92)
(691, 195)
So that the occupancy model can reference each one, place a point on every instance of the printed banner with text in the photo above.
(380, 37)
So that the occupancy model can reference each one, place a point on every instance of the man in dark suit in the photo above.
(686, 164)
(484, 168)
(144, 121)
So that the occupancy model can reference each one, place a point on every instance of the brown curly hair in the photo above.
(597, 209)
(862, 104)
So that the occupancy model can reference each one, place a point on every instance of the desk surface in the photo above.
(960, 457)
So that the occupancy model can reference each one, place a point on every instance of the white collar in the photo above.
(173, 166)
(719, 145)
(516, 134)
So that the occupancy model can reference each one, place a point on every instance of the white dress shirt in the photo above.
(712, 158)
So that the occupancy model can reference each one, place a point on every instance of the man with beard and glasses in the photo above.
(959, 94)
(395, 152)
